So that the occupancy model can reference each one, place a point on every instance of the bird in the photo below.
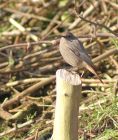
(74, 53)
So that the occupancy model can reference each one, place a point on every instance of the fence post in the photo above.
(68, 87)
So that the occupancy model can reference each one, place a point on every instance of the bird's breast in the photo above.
(68, 55)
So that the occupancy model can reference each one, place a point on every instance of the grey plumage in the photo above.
(74, 53)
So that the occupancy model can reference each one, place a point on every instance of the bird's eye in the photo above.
(69, 36)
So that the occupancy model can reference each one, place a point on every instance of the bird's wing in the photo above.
(89, 65)
(77, 48)
(87, 59)
(82, 49)
(73, 46)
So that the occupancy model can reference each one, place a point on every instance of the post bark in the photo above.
(68, 87)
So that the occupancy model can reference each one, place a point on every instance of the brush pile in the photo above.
(29, 57)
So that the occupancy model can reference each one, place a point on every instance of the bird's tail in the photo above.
(92, 70)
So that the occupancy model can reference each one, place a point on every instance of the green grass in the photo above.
(108, 134)
(102, 121)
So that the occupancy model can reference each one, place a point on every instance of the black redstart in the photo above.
(74, 53)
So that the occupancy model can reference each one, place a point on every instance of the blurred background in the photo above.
(30, 31)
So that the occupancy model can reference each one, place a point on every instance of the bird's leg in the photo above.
(76, 70)
(68, 68)
(72, 70)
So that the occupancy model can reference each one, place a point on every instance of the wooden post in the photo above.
(68, 87)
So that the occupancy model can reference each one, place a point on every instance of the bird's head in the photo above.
(68, 35)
